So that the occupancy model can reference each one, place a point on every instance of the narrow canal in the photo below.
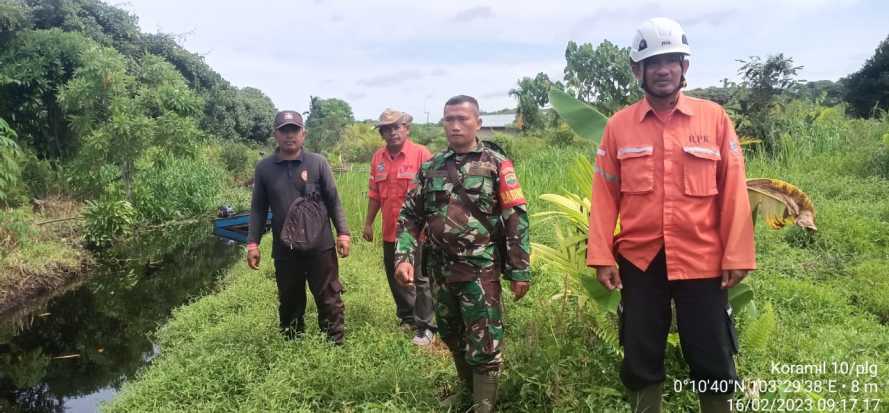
(74, 350)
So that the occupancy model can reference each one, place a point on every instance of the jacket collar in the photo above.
(299, 157)
(683, 104)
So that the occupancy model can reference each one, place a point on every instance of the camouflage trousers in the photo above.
(470, 319)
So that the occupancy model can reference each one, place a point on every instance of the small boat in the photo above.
(234, 227)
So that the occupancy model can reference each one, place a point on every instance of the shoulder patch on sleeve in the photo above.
(510, 190)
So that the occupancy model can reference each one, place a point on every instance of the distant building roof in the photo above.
(505, 120)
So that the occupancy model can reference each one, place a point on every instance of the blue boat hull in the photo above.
(235, 227)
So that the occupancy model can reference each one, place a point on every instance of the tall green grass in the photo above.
(223, 352)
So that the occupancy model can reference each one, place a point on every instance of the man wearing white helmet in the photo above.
(670, 166)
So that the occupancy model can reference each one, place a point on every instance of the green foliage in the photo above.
(15, 230)
(42, 177)
(10, 171)
(239, 159)
(759, 330)
(33, 67)
(601, 75)
(720, 94)
(586, 121)
(123, 115)
(532, 94)
(873, 280)
(177, 188)
(561, 136)
(14, 17)
(360, 141)
(762, 83)
(431, 135)
(821, 92)
(108, 220)
(229, 113)
(108, 25)
(238, 114)
(327, 122)
(867, 90)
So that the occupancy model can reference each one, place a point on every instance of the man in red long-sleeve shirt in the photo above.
(670, 166)
(393, 169)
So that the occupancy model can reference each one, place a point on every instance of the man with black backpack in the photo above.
(300, 189)
(469, 198)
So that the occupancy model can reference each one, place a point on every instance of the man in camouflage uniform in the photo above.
(470, 198)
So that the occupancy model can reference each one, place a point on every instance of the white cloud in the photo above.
(414, 55)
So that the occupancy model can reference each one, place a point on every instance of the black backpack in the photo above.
(305, 222)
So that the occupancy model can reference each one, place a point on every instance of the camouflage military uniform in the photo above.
(463, 260)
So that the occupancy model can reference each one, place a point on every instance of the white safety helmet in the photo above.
(658, 36)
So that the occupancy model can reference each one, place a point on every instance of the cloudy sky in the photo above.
(414, 54)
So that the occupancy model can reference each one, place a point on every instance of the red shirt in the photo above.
(677, 181)
(391, 178)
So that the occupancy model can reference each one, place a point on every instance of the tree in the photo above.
(121, 115)
(14, 17)
(238, 114)
(762, 82)
(719, 94)
(108, 25)
(765, 80)
(868, 88)
(326, 123)
(532, 94)
(258, 114)
(601, 76)
(824, 92)
(33, 67)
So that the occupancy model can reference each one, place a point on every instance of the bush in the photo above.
(15, 230)
(42, 177)
(107, 220)
(178, 188)
(10, 171)
(239, 159)
(89, 180)
(430, 135)
(562, 136)
(360, 141)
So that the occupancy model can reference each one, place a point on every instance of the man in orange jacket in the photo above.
(393, 169)
(670, 166)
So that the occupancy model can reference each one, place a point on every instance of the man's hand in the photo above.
(253, 258)
(404, 274)
(343, 242)
(519, 289)
(368, 233)
(731, 278)
(609, 277)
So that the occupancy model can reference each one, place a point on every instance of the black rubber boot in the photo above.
(647, 400)
(715, 403)
(458, 400)
(484, 391)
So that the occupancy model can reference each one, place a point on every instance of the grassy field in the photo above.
(828, 290)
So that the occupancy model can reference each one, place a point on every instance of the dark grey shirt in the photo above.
(278, 182)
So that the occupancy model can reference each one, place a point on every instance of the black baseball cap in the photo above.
(288, 117)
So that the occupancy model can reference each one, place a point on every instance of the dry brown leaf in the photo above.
(780, 202)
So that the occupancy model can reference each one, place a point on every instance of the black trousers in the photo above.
(321, 270)
(703, 315)
(413, 305)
